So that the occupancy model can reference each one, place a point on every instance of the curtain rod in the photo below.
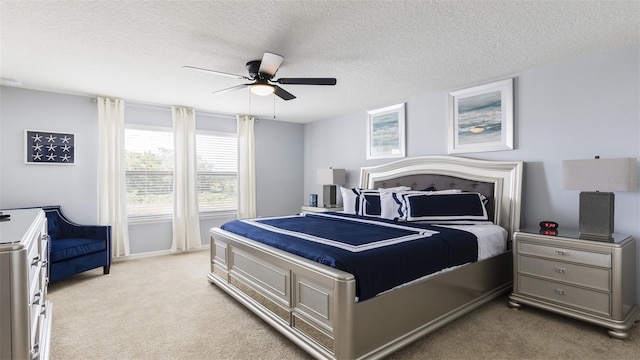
(141, 104)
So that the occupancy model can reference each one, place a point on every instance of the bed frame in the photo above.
(314, 305)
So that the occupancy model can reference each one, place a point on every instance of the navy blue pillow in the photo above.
(445, 207)
(370, 203)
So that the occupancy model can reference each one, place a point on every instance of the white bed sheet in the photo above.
(492, 239)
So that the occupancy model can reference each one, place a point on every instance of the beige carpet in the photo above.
(164, 308)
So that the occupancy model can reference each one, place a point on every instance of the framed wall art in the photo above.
(386, 132)
(48, 147)
(481, 118)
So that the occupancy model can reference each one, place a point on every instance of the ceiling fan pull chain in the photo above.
(274, 107)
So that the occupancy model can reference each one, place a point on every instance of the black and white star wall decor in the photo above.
(47, 147)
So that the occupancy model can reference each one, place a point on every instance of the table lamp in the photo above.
(329, 178)
(598, 179)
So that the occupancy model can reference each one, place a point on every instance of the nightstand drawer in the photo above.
(596, 278)
(565, 254)
(589, 300)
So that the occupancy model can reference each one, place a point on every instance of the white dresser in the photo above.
(25, 313)
(589, 280)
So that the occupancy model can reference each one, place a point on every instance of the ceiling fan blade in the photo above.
(270, 63)
(307, 81)
(217, 72)
(282, 93)
(231, 88)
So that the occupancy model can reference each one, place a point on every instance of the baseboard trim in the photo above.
(157, 253)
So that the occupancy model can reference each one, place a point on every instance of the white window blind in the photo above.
(217, 171)
(149, 171)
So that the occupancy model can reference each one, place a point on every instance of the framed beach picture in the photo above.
(49, 147)
(481, 118)
(386, 132)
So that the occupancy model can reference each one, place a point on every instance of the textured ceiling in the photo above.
(381, 52)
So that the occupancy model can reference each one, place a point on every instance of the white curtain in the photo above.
(112, 206)
(246, 168)
(186, 217)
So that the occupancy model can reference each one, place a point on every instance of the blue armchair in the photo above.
(75, 248)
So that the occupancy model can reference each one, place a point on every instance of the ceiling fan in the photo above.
(261, 72)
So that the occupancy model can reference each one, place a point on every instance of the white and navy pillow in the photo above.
(444, 208)
(371, 200)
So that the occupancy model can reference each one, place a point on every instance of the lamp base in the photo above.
(596, 215)
(329, 196)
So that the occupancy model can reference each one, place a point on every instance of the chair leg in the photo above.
(106, 269)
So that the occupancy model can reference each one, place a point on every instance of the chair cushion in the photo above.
(62, 249)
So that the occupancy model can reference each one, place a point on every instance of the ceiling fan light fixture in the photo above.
(262, 89)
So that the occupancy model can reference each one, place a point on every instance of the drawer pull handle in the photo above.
(35, 352)
(560, 252)
(560, 270)
(36, 298)
(559, 291)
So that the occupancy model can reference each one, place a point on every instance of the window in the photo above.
(217, 171)
(149, 171)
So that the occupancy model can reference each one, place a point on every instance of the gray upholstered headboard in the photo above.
(443, 182)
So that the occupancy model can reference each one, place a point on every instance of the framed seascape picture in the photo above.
(48, 147)
(481, 118)
(386, 132)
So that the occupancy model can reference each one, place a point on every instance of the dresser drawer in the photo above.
(566, 254)
(589, 300)
(596, 278)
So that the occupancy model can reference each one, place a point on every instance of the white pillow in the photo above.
(350, 200)
(388, 205)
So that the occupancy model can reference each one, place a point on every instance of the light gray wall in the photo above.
(279, 164)
(570, 110)
(279, 160)
(75, 187)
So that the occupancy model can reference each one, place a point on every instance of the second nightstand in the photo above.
(589, 280)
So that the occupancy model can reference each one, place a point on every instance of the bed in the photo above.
(317, 306)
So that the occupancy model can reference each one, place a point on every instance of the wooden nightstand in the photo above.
(589, 280)
(316, 209)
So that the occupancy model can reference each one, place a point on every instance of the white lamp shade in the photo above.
(331, 176)
(600, 174)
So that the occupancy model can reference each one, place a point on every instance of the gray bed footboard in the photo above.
(314, 305)
(310, 303)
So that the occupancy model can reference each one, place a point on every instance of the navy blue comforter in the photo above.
(381, 254)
